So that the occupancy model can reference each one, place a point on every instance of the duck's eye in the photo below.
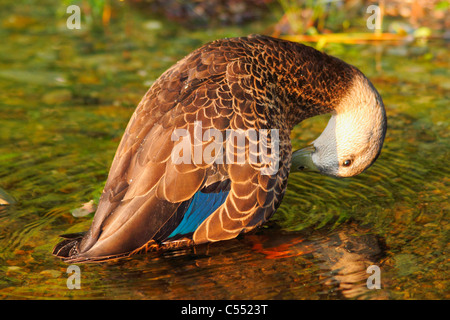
(347, 163)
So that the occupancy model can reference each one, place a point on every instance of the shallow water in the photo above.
(65, 99)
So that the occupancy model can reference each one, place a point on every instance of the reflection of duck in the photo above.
(348, 253)
(256, 83)
(343, 255)
(329, 263)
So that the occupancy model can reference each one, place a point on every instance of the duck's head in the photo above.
(353, 138)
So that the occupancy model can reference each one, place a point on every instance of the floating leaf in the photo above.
(5, 199)
(86, 209)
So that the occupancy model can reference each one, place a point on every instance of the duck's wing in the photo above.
(147, 196)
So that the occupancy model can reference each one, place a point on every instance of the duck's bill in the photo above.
(302, 160)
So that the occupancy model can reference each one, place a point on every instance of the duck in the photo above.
(161, 194)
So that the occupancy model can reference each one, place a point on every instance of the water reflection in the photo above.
(266, 265)
(347, 253)
(343, 256)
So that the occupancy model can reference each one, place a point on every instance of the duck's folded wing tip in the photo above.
(68, 247)
(67, 250)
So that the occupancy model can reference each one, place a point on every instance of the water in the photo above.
(65, 99)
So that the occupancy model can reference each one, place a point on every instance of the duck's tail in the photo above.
(68, 248)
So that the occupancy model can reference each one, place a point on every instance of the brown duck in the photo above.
(174, 180)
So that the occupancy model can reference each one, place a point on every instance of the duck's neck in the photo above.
(307, 82)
